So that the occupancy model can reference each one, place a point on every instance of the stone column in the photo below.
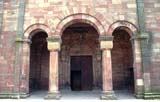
(146, 52)
(106, 45)
(54, 47)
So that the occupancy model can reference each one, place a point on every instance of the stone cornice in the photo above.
(23, 40)
(142, 36)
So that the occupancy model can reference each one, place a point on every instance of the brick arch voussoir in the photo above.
(37, 27)
(76, 18)
(126, 24)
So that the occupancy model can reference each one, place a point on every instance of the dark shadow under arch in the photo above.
(122, 60)
(78, 62)
(39, 62)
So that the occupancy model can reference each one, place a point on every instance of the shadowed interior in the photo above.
(122, 60)
(39, 63)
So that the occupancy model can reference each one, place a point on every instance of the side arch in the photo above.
(132, 30)
(123, 24)
(31, 30)
(80, 18)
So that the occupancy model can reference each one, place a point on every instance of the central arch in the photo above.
(83, 18)
(79, 66)
(70, 30)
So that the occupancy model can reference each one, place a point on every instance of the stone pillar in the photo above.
(22, 65)
(106, 45)
(54, 47)
(138, 71)
(146, 63)
(141, 66)
(24, 86)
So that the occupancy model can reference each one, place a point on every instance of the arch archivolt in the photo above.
(80, 18)
(77, 18)
(33, 29)
(120, 23)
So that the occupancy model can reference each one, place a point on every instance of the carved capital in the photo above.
(54, 43)
(106, 42)
(106, 45)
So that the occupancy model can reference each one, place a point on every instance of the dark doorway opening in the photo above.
(39, 63)
(122, 60)
(81, 73)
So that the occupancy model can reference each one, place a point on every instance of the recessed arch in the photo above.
(124, 58)
(80, 18)
(39, 62)
(80, 45)
(32, 29)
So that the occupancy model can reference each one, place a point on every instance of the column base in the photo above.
(108, 95)
(151, 95)
(139, 95)
(53, 95)
(13, 95)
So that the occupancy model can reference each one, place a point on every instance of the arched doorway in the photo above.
(80, 58)
(122, 60)
(39, 62)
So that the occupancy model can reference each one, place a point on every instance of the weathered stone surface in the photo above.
(103, 15)
(152, 25)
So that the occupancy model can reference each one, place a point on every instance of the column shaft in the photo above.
(53, 70)
(107, 92)
(53, 76)
(107, 71)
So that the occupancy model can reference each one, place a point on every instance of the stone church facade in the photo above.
(81, 45)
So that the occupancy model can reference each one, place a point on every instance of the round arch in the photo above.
(122, 24)
(31, 30)
(77, 18)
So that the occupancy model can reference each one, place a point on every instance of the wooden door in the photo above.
(76, 74)
(81, 73)
(87, 72)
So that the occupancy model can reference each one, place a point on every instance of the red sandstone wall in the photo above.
(152, 24)
(7, 45)
(51, 12)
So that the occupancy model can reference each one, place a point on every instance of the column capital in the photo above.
(54, 39)
(54, 43)
(106, 42)
(105, 38)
